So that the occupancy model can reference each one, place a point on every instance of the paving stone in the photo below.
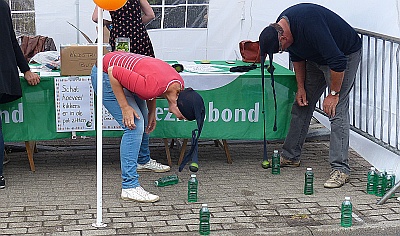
(244, 198)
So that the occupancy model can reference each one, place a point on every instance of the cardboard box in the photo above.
(78, 59)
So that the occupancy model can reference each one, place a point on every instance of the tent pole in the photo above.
(99, 121)
(77, 20)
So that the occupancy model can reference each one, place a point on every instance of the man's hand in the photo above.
(31, 78)
(301, 97)
(128, 117)
(329, 105)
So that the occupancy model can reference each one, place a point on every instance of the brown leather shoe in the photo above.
(289, 163)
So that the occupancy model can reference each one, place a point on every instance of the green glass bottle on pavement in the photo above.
(276, 163)
(192, 188)
(204, 226)
(346, 219)
(166, 180)
(371, 180)
(380, 185)
(390, 182)
(309, 182)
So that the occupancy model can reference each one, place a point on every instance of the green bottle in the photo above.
(276, 163)
(390, 182)
(192, 188)
(380, 186)
(371, 180)
(166, 180)
(309, 182)
(346, 219)
(204, 226)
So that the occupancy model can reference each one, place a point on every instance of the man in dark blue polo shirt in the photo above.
(325, 51)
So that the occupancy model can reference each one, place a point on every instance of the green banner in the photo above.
(233, 111)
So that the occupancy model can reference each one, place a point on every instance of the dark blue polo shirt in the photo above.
(320, 35)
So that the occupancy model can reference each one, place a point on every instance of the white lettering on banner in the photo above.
(240, 114)
(214, 115)
(159, 111)
(168, 117)
(17, 116)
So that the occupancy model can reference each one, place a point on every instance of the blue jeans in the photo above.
(134, 147)
(317, 79)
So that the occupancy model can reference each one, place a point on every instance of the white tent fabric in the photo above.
(229, 22)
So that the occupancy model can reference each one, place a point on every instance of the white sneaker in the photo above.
(138, 194)
(153, 165)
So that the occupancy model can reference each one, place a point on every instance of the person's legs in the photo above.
(340, 126)
(145, 163)
(144, 152)
(301, 116)
(131, 139)
(2, 180)
(130, 142)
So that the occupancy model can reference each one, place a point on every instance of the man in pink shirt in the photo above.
(131, 84)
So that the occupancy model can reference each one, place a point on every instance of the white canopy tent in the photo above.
(229, 21)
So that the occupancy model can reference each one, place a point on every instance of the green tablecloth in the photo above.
(233, 110)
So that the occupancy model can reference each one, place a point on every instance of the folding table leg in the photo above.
(30, 149)
(227, 153)
(167, 152)
(183, 149)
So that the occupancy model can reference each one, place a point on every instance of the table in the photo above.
(233, 104)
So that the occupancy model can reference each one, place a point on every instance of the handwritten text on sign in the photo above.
(74, 103)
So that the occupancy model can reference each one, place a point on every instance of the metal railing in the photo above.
(375, 98)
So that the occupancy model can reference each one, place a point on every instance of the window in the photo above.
(23, 16)
(179, 14)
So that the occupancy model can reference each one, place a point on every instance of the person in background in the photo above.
(131, 84)
(326, 52)
(128, 21)
(11, 59)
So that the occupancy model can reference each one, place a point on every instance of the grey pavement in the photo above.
(244, 199)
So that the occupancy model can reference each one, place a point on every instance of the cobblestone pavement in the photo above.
(244, 199)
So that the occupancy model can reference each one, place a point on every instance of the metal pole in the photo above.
(99, 121)
(77, 20)
(389, 194)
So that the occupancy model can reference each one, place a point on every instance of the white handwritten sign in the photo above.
(74, 103)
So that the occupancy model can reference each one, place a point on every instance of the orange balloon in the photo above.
(110, 5)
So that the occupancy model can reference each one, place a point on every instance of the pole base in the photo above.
(99, 225)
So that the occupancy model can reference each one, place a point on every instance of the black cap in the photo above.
(191, 105)
(269, 43)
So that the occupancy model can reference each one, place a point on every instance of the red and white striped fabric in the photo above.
(145, 76)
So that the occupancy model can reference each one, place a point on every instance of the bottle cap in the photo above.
(156, 183)
(275, 151)
(204, 205)
(347, 198)
(309, 168)
(193, 175)
(372, 168)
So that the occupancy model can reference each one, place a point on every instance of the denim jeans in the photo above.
(317, 79)
(134, 147)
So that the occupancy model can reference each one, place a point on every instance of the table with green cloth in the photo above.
(233, 103)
